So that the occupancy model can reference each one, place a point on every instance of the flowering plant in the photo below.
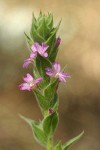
(47, 76)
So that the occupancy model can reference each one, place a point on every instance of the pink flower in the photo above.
(36, 49)
(30, 83)
(29, 60)
(39, 49)
(56, 72)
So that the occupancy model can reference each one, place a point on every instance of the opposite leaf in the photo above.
(72, 141)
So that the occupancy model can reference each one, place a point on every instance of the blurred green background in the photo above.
(80, 50)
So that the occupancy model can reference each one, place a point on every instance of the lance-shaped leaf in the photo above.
(50, 124)
(39, 134)
(29, 40)
(49, 21)
(43, 29)
(54, 102)
(58, 146)
(67, 145)
(53, 54)
(50, 90)
(51, 41)
(42, 101)
(36, 36)
(41, 64)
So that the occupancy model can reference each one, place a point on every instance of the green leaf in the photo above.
(49, 21)
(39, 134)
(72, 141)
(53, 54)
(50, 124)
(58, 146)
(43, 29)
(51, 89)
(54, 102)
(36, 37)
(51, 42)
(29, 40)
(28, 120)
(41, 64)
(42, 101)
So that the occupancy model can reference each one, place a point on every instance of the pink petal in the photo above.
(45, 54)
(25, 86)
(25, 65)
(28, 78)
(56, 67)
(38, 80)
(51, 74)
(66, 75)
(35, 47)
(61, 78)
(33, 55)
(44, 47)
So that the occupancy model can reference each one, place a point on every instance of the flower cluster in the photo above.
(54, 72)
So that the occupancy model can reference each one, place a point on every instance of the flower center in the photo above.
(57, 75)
(31, 85)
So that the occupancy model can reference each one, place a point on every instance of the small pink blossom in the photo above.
(29, 60)
(30, 83)
(39, 49)
(36, 49)
(56, 72)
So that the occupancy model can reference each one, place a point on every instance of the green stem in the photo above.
(50, 144)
